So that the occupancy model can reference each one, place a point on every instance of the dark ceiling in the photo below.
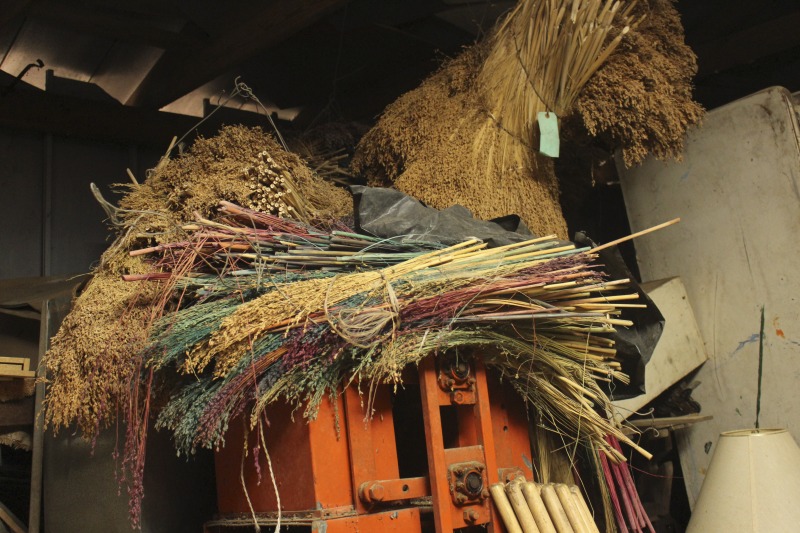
(111, 65)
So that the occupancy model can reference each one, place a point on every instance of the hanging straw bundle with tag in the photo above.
(540, 58)
(467, 135)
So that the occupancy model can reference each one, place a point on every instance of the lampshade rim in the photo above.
(753, 432)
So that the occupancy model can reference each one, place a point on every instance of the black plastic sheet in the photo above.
(634, 345)
(391, 213)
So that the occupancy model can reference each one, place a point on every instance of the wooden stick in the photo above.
(504, 508)
(537, 507)
(521, 509)
(555, 509)
(635, 235)
(573, 514)
(584, 509)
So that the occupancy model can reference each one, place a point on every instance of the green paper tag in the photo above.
(548, 133)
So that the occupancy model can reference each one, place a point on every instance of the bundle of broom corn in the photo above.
(540, 312)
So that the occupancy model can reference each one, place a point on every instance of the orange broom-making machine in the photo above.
(422, 461)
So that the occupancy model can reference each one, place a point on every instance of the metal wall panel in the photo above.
(49, 221)
(737, 190)
(78, 232)
(21, 175)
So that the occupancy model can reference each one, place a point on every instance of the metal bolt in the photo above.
(376, 492)
(371, 492)
(458, 397)
(471, 516)
(460, 498)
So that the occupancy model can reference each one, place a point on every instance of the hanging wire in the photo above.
(239, 89)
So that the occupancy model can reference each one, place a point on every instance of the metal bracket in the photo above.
(456, 373)
(508, 474)
(390, 490)
(468, 483)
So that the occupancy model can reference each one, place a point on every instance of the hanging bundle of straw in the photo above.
(540, 58)
(468, 134)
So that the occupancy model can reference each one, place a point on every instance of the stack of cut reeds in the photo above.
(307, 322)
(527, 507)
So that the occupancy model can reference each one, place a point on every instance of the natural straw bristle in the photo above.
(467, 135)
(641, 102)
(424, 143)
(540, 58)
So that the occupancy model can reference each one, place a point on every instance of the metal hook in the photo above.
(10, 87)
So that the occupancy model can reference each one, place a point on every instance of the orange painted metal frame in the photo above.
(346, 478)
(448, 516)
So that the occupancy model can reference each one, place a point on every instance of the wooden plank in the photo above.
(53, 313)
(670, 421)
(18, 363)
(30, 293)
(178, 72)
(8, 518)
(14, 372)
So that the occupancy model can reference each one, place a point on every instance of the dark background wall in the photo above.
(51, 223)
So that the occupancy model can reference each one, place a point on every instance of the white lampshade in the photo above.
(752, 484)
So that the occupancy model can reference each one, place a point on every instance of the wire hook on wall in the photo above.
(10, 87)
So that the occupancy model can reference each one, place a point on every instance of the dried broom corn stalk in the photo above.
(466, 135)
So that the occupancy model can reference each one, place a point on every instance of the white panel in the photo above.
(679, 350)
(736, 249)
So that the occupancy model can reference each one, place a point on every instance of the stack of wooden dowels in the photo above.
(527, 507)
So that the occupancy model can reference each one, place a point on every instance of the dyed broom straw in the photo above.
(295, 326)
(463, 284)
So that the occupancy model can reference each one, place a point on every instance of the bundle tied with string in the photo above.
(468, 134)
(537, 312)
(541, 56)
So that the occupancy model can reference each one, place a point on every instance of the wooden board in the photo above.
(14, 524)
(16, 367)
